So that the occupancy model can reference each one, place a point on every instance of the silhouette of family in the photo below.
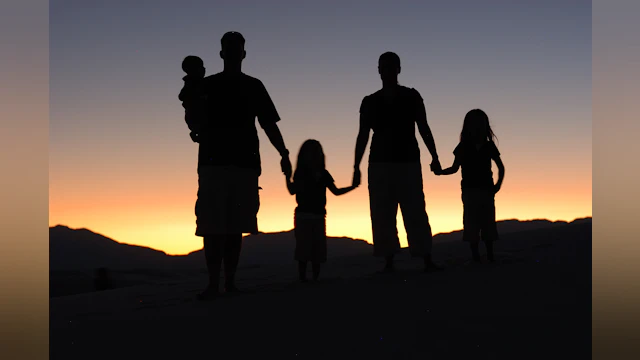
(220, 112)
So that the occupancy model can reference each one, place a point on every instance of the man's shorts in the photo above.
(228, 200)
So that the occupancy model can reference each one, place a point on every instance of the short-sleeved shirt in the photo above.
(229, 134)
(393, 123)
(311, 191)
(476, 164)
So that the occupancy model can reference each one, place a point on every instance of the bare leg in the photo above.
(429, 265)
(490, 255)
(213, 249)
(232, 249)
(302, 271)
(389, 266)
(316, 271)
(475, 251)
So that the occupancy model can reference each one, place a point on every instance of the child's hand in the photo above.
(435, 166)
(496, 188)
(356, 182)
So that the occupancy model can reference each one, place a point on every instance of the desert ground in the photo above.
(534, 302)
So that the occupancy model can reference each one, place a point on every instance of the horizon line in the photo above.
(332, 236)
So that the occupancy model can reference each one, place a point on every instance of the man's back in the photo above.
(393, 121)
(230, 137)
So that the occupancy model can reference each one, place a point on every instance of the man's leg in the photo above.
(232, 249)
(383, 206)
(414, 214)
(210, 220)
(213, 250)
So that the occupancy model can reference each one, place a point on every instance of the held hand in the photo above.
(356, 177)
(496, 188)
(436, 167)
(285, 164)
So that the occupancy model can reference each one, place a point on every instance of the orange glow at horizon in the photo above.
(157, 211)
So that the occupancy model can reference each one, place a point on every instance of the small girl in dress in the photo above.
(310, 183)
(474, 154)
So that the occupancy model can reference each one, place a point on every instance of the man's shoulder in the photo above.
(411, 92)
(372, 97)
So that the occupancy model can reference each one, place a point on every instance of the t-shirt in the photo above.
(229, 135)
(393, 122)
(476, 164)
(311, 191)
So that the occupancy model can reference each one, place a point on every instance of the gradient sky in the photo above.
(122, 163)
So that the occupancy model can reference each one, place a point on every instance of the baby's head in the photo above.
(193, 66)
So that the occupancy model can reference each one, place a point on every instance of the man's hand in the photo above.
(435, 165)
(285, 164)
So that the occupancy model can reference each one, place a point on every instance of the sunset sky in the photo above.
(122, 163)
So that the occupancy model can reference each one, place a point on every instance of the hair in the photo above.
(231, 37)
(306, 157)
(469, 127)
(192, 63)
(392, 57)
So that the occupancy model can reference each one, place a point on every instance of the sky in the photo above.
(122, 163)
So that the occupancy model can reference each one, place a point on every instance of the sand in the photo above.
(535, 302)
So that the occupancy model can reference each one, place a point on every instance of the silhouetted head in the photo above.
(193, 66)
(310, 157)
(232, 47)
(476, 127)
(389, 67)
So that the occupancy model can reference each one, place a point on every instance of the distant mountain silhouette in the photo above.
(82, 249)
(76, 253)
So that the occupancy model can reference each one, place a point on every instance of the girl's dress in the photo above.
(310, 216)
(478, 196)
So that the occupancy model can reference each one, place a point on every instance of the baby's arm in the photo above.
(450, 170)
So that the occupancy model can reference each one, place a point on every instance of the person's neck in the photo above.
(232, 68)
(389, 84)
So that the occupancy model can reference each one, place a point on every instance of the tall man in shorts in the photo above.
(229, 161)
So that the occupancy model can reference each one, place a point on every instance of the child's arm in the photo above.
(498, 161)
(290, 186)
(337, 192)
(450, 170)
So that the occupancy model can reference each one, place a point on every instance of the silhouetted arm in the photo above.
(275, 137)
(363, 134)
(268, 118)
(291, 186)
(424, 129)
(337, 192)
(450, 170)
(500, 165)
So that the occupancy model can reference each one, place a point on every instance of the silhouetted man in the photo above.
(395, 172)
(229, 161)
